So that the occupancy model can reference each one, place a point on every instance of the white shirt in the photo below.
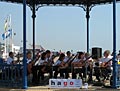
(66, 59)
(37, 62)
(41, 62)
(9, 60)
(76, 60)
(28, 61)
(47, 59)
(58, 62)
(118, 57)
(105, 60)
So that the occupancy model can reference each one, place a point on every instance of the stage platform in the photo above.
(46, 88)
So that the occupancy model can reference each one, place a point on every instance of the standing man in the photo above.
(10, 59)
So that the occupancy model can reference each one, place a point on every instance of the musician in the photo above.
(68, 56)
(41, 64)
(1, 60)
(78, 66)
(59, 63)
(96, 67)
(35, 69)
(89, 65)
(50, 57)
(37, 58)
(66, 61)
(106, 64)
(48, 54)
(29, 57)
(118, 56)
(50, 63)
(29, 65)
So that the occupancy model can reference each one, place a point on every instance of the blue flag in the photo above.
(7, 34)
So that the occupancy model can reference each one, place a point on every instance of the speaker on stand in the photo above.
(96, 52)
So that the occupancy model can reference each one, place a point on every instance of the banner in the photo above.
(65, 83)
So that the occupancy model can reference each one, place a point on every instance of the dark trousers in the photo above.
(105, 72)
(64, 73)
(76, 71)
(49, 70)
(90, 73)
(102, 72)
(97, 73)
(40, 73)
(56, 69)
(35, 75)
(61, 71)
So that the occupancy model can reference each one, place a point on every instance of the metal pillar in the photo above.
(87, 8)
(33, 16)
(87, 17)
(24, 47)
(114, 46)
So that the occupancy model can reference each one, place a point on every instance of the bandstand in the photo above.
(87, 5)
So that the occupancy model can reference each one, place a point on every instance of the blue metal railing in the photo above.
(118, 76)
(11, 75)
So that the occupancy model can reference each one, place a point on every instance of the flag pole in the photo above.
(5, 39)
(5, 49)
(9, 40)
(11, 37)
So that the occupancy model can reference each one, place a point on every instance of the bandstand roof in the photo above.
(65, 2)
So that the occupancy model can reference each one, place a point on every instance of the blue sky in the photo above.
(63, 28)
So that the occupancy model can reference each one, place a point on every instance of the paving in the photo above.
(46, 88)
(91, 87)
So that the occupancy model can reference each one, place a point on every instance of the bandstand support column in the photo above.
(33, 16)
(114, 47)
(24, 47)
(87, 17)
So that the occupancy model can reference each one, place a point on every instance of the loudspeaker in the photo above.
(96, 52)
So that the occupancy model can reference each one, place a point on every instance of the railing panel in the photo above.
(11, 75)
